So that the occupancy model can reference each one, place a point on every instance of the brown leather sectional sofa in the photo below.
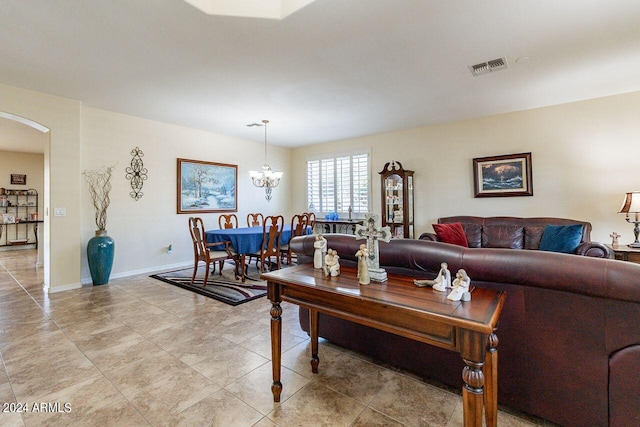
(569, 334)
(517, 233)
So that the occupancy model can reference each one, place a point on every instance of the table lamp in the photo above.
(631, 204)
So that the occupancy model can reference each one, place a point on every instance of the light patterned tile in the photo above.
(354, 377)
(318, 403)
(199, 348)
(187, 387)
(119, 414)
(132, 377)
(229, 363)
(414, 403)
(371, 418)
(82, 398)
(140, 352)
(255, 387)
(261, 344)
(219, 409)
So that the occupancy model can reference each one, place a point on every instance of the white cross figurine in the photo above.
(373, 233)
(614, 236)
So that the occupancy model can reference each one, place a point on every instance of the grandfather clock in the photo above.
(397, 199)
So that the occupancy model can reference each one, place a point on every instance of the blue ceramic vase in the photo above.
(100, 252)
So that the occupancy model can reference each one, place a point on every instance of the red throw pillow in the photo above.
(451, 233)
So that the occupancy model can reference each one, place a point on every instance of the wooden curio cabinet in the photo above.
(397, 199)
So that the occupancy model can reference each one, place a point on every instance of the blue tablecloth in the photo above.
(246, 240)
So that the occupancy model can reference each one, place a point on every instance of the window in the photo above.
(335, 183)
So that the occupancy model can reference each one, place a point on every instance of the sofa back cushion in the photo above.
(479, 233)
(451, 233)
(503, 236)
(532, 236)
(561, 238)
(474, 234)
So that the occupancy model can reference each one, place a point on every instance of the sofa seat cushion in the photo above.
(503, 236)
(561, 238)
(451, 233)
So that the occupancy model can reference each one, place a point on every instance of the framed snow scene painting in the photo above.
(205, 187)
(500, 176)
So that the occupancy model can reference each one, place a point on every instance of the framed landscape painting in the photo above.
(206, 187)
(503, 176)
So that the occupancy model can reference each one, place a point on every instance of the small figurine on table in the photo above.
(614, 238)
(320, 245)
(440, 283)
(460, 285)
(363, 269)
(332, 263)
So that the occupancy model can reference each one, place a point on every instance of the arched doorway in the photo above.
(25, 144)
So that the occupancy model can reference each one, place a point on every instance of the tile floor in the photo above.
(140, 352)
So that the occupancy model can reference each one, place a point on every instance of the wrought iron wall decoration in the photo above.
(136, 173)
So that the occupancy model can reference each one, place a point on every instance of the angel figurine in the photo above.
(460, 286)
(363, 269)
(440, 283)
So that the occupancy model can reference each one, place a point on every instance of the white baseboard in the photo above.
(51, 290)
(150, 270)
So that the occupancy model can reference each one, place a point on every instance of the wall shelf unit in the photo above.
(19, 217)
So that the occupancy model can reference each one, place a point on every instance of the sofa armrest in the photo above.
(593, 249)
(624, 392)
(429, 236)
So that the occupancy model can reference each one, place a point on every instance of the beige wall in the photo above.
(61, 235)
(143, 229)
(584, 158)
(84, 138)
(30, 164)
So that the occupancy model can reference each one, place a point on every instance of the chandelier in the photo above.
(266, 179)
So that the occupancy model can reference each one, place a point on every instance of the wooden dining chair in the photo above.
(299, 224)
(228, 221)
(270, 248)
(312, 219)
(255, 219)
(209, 253)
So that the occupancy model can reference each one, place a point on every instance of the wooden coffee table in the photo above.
(399, 307)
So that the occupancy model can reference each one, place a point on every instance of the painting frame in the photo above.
(206, 187)
(503, 176)
(18, 179)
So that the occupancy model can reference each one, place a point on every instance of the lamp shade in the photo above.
(631, 203)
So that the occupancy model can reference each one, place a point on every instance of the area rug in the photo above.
(223, 288)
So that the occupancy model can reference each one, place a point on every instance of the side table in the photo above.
(625, 253)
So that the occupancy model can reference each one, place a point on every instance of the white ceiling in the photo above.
(334, 69)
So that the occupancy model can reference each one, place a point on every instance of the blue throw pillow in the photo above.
(561, 238)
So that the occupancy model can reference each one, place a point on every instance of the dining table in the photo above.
(246, 240)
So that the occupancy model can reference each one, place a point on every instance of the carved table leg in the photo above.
(276, 348)
(472, 350)
(472, 393)
(313, 331)
(491, 386)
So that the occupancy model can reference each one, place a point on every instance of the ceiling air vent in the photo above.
(489, 66)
